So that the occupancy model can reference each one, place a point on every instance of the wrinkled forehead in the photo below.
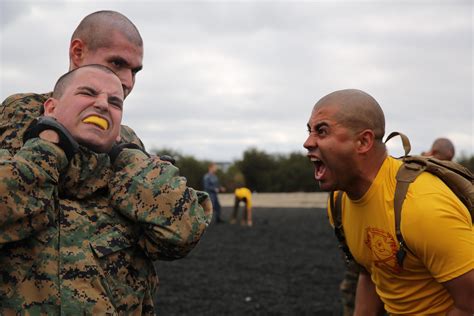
(325, 112)
(98, 79)
(118, 44)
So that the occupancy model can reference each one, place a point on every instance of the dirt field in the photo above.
(281, 200)
(286, 264)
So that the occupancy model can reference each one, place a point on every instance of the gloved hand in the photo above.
(117, 149)
(168, 158)
(66, 142)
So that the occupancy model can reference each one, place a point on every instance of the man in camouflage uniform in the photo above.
(78, 234)
(66, 246)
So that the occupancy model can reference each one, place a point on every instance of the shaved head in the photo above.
(96, 28)
(65, 79)
(357, 111)
(442, 149)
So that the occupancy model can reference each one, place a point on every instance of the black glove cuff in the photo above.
(66, 142)
(168, 158)
(117, 149)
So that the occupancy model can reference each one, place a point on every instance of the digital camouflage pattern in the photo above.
(79, 238)
(348, 288)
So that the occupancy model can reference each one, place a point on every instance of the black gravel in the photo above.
(286, 264)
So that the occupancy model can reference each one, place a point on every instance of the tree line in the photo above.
(260, 171)
(257, 170)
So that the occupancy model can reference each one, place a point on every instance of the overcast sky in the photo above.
(220, 77)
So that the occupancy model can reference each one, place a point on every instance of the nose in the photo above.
(128, 80)
(310, 142)
(101, 102)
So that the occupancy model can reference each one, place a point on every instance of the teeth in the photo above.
(98, 121)
(315, 160)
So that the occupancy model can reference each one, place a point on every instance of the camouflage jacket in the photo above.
(81, 237)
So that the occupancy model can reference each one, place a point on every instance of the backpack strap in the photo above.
(405, 175)
(335, 205)
(405, 141)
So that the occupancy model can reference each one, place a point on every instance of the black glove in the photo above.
(168, 158)
(66, 142)
(117, 149)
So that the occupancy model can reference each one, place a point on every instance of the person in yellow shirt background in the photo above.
(245, 195)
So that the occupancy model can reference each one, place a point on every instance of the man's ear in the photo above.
(77, 51)
(365, 141)
(50, 107)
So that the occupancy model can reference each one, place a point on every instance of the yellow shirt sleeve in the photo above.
(437, 227)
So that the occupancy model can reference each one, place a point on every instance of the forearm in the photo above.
(367, 301)
(150, 192)
(461, 290)
(458, 312)
(28, 182)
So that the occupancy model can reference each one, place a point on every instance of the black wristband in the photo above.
(66, 142)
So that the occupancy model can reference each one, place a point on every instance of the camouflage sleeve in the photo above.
(16, 114)
(128, 136)
(172, 216)
(28, 182)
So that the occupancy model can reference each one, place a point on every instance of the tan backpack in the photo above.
(458, 178)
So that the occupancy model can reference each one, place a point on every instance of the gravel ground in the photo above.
(286, 264)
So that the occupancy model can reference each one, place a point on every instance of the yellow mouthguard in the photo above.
(97, 121)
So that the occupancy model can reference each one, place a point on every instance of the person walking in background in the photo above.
(242, 195)
(442, 149)
(212, 187)
(345, 144)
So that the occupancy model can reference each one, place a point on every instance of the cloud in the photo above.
(220, 77)
(10, 11)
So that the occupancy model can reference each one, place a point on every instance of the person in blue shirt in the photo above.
(212, 187)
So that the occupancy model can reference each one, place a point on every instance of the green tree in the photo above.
(233, 178)
(257, 168)
(295, 173)
(467, 162)
(189, 167)
(193, 170)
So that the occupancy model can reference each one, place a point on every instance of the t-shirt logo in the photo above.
(383, 247)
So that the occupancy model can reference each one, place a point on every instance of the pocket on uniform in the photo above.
(115, 255)
(110, 242)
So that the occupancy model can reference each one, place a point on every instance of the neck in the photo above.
(368, 170)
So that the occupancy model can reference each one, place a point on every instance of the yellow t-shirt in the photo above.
(241, 193)
(436, 226)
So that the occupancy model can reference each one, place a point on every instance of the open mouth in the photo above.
(319, 168)
(97, 121)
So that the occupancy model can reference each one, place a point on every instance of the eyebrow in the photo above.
(125, 62)
(317, 126)
(322, 124)
(87, 88)
(93, 91)
(113, 98)
(137, 69)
